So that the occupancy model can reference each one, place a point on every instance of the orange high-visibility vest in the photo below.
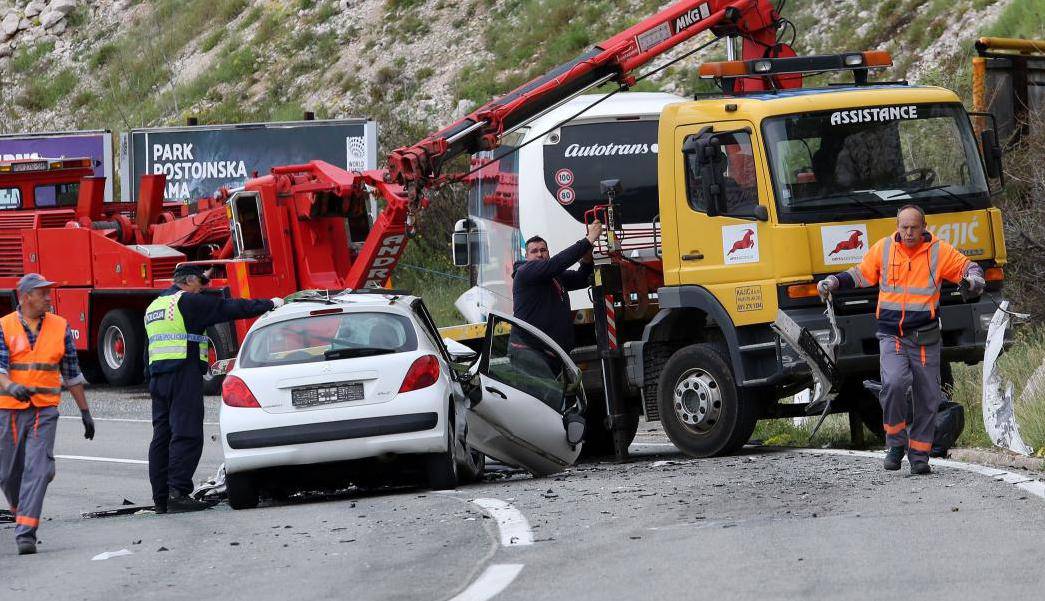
(35, 367)
(909, 281)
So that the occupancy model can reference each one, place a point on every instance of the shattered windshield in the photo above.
(867, 162)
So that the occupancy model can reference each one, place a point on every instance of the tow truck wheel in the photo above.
(121, 347)
(869, 407)
(598, 439)
(243, 492)
(702, 412)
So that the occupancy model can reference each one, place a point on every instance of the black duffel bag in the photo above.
(950, 420)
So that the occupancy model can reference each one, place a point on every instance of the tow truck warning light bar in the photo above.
(871, 59)
(44, 165)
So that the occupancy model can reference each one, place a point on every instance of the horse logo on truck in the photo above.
(844, 244)
(739, 244)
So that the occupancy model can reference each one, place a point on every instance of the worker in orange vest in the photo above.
(37, 358)
(909, 269)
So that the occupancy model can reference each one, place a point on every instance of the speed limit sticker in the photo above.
(564, 177)
(566, 196)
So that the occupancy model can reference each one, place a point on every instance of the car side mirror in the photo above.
(575, 426)
(222, 367)
(458, 352)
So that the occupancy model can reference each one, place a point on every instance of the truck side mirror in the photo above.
(465, 243)
(992, 154)
(713, 175)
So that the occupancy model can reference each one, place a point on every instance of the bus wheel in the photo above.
(701, 409)
(121, 347)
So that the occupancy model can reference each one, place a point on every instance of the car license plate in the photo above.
(326, 394)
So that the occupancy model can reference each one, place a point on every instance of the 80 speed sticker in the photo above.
(566, 196)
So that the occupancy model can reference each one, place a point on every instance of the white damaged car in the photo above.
(359, 386)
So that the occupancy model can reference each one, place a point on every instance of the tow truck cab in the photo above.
(762, 196)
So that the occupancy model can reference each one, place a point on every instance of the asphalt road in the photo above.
(767, 524)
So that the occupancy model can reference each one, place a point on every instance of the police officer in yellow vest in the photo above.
(37, 358)
(175, 324)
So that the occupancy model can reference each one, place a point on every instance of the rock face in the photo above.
(10, 24)
(34, 8)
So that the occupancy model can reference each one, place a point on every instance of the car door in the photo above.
(530, 390)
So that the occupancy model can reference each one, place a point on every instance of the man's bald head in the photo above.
(910, 224)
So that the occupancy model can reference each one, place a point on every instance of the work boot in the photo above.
(182, 503)
(160, 506)
(893, 457)
(920, 468)
(27, 547)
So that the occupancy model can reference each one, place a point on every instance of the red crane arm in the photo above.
(414, 168)
(614, 59)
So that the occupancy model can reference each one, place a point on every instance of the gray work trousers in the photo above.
(27, 463)
(907, 365)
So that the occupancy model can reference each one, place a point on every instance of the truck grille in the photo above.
(11, 254)
(163, 267)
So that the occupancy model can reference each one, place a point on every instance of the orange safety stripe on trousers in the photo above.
(25, 520)
(895, 429)
(918, 445)
(14, 428)
(36, 423)
(923, 356)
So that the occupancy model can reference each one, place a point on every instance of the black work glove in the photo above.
(88, 424)
(19, 392)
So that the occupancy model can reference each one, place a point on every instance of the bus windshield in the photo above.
(867, 162)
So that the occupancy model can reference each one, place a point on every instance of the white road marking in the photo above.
(1025, 483)
(125, 420)
(102, 459)
(515, 530)
(492, 581)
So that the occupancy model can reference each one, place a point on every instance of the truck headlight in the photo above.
(985, 321)
(822, 336)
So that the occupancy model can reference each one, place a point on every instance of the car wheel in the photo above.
(441, 467)
(476, 467)
(243, 492)
(701, 409)
(222, 346)
(121, 347)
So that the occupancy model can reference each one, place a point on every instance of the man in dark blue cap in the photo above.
(37, 360)
(175, 324)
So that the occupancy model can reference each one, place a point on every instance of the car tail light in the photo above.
(235, 393)
(422, 374)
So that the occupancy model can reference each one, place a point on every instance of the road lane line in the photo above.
(103, 459)
(515, 530)
(1020, 481)
(493, 580)
(124, 419)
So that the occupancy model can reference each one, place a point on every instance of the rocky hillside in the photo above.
(413, 64)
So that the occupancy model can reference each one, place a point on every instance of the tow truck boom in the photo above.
(413, 170)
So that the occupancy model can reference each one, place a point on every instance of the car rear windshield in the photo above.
(326, 337)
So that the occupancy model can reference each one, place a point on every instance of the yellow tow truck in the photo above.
(761, 195)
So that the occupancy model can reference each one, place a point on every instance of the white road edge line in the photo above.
(125, 420)
(102, 459)
(1025, 483)
(492, 581)
(515, 530)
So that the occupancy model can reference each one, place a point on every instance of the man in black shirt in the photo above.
(540, 285)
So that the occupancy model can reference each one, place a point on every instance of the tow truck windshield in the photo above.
(867, 162)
